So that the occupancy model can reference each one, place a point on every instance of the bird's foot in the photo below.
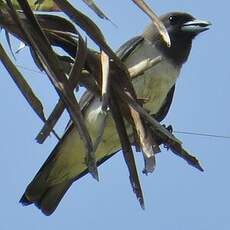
(170, 129)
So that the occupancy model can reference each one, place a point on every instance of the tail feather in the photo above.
(47, 198)
(52, 197)
(44, 195)
(25, 201)
(36, 188)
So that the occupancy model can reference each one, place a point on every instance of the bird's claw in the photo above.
(170, 129)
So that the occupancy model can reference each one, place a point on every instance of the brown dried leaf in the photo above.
(160, 26)
(127, 150)
(90, 28)
(41, 46)
(105, 80)
(91, 4)
(74, 77)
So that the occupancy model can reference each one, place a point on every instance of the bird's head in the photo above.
(182, 29)
(183, 25)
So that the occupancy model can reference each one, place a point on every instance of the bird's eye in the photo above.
(173, 20)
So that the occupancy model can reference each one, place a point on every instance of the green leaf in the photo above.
(41, 5)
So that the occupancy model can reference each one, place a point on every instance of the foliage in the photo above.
(102, 73)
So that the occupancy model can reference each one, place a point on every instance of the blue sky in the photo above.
(176, 195)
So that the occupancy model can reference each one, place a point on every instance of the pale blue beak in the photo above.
(195, 26)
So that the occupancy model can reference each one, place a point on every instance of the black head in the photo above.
(182, 29)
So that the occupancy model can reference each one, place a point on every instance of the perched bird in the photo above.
(66, 163)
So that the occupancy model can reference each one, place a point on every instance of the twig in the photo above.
(105, 80)
(143, 66)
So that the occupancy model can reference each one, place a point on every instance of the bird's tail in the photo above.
(45, 197)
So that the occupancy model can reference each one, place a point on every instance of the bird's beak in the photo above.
(195, 26)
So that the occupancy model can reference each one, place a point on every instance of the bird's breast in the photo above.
(154, 85)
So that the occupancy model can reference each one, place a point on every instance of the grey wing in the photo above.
(166, 106)
(128, 47)
(122, 53)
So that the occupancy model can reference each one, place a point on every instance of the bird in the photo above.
(66, 163)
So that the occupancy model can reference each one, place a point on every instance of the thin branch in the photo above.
(143, 66)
